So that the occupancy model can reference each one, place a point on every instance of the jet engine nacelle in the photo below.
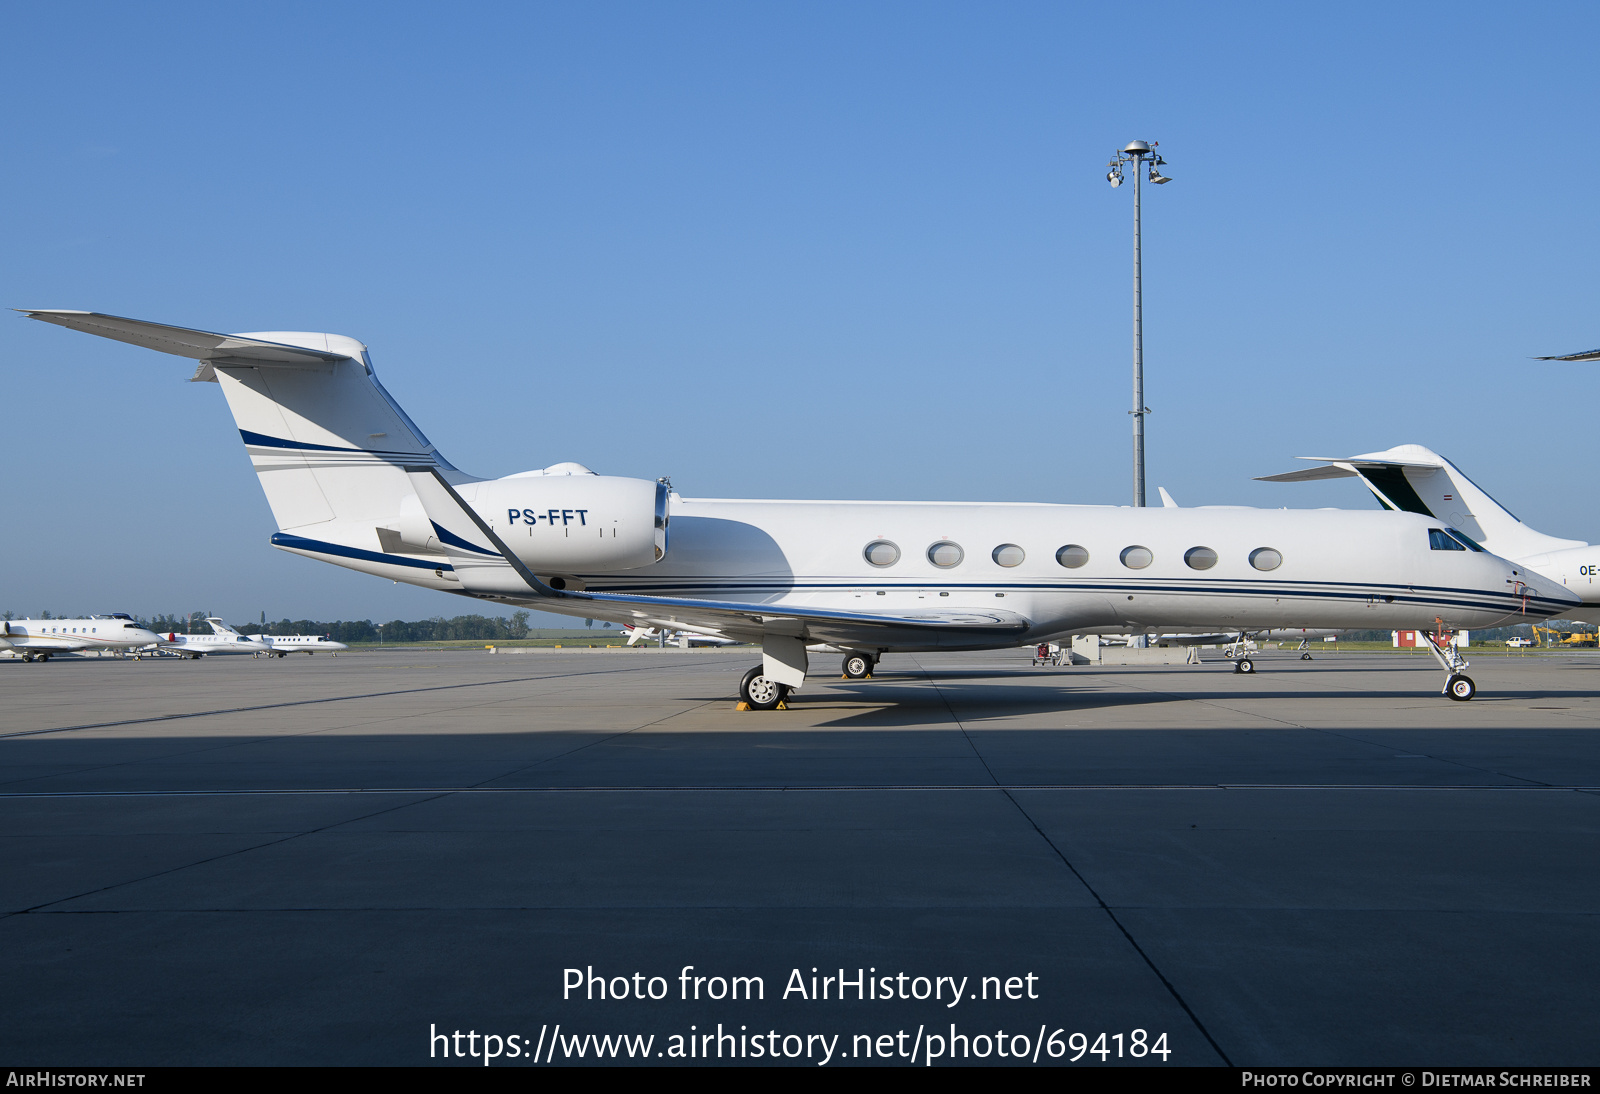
(561, 523)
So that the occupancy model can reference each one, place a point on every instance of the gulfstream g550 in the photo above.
(352, 481)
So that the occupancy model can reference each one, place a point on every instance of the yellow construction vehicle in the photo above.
(1549, 637)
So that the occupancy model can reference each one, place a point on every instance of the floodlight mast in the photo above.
(1137, 153)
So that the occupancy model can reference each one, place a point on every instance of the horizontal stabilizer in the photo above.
(1586, 355)
(202, 345)
(1312, 474)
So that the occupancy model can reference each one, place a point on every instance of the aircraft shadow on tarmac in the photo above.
(976, 697)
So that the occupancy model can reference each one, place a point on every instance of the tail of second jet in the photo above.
(1415, 479)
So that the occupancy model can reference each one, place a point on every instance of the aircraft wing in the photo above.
(485, 566)
(208, 347)
(1586, 355)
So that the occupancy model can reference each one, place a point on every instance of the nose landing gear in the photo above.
(1457, 684)
(1244, 665)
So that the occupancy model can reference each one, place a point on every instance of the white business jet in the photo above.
(1415, 479)
(352, 481)
(38, 639)
(223, 639)
(681, 639)
(282, 645)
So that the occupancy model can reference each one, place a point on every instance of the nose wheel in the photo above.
(1244, 666)
(761, 692)
(1460, 688)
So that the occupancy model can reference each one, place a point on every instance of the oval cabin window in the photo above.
(1265, 558)
(1072, 556)
(1200, 558)
(945, 554)
(1137, 558)
(880, 552)
(1009, 554)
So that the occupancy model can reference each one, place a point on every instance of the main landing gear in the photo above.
(761, 692)
(1305, 649)
(859, 666)
(782, 671)
(1457, 684)
(1244, 666)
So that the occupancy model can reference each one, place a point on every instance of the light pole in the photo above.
(1137, 153)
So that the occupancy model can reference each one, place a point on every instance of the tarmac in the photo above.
(347, 860)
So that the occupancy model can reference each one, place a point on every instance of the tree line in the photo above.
(475, 628)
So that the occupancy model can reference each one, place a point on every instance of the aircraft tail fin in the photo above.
(328, 443)
(1415, 479)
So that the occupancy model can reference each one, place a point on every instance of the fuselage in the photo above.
(1070, 569)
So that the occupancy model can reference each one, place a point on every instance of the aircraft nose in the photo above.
(1544, 596)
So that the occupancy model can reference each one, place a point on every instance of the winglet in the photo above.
(1166, 499)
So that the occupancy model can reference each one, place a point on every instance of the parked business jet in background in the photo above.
(282, 645)
(352, 481)
(222, 639)
(682, 639)
(38, 639)
(1415, 479)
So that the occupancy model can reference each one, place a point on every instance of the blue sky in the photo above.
(855, 250)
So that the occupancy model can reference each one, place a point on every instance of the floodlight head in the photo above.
(1137, 148)
(1114, 178)
(1157, 177)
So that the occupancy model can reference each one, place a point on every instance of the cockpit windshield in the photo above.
(1440, 540)
(1471, 544)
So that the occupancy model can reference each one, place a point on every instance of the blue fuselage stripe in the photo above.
(1329, 590)
(322, 547)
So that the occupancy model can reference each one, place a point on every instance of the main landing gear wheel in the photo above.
(858, 666)
(1305, 657)
(1244, 665)
(1460, 688)
(761, 692)
(27, 657)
